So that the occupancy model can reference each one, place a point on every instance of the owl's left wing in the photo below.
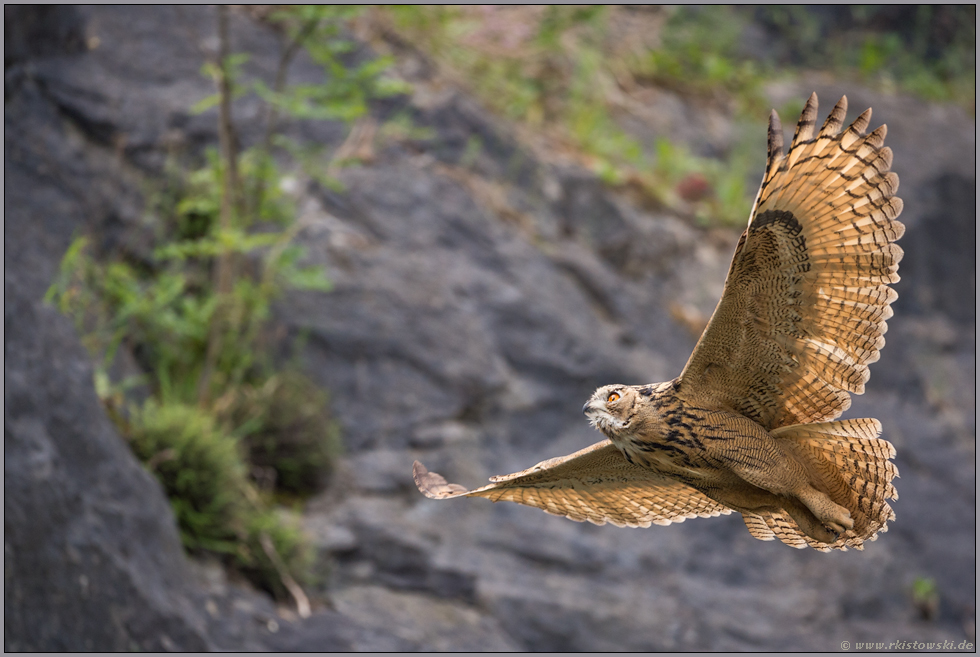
(596, 484)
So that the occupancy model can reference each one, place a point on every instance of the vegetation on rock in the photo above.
(225, 429)
(577, 74)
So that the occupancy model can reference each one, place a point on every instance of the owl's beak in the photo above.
(598, 414)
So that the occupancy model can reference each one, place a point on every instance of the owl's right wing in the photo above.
(596, 484)
(805, 305)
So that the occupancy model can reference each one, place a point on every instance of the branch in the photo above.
(302, 602)
(272, 112)
(229, 157)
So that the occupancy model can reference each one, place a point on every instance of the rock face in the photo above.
(480, 296)
(92, 559)
(90, 549)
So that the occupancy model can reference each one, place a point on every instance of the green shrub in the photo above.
(204, 473)
(292, 551)
(202, 470)
(289, 436)
(928, 50)
(564, 72)
(195, 316)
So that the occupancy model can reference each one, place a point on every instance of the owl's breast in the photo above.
(678, 458)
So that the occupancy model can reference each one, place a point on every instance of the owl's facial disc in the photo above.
(609, 408)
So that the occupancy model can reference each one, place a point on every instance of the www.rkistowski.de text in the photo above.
(907, 645)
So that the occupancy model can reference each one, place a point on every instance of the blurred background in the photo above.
(258, 260)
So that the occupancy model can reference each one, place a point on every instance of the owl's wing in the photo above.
(596, 484)
(805, 303)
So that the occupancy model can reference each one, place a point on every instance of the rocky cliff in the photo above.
(479, 298)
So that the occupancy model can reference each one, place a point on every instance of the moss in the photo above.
(204, 473)
(202, 470)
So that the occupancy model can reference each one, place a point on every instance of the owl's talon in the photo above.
(840, 525)
(842, 522)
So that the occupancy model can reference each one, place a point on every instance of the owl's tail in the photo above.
(847, 461)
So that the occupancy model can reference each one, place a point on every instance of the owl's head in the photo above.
(610, 409)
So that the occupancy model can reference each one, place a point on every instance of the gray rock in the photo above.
(92, 560)
(481, 294)
(92, 557)
(91, 551)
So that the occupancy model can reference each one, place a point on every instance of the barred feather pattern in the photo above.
(596, 484)
(807, 298)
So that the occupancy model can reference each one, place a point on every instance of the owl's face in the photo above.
(610, 409)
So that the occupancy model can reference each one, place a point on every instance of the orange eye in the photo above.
(613, 396)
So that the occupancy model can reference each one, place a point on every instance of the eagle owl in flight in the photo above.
(750, 424)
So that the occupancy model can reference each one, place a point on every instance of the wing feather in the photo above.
(757, 527)
(807, 297)
(596, 484)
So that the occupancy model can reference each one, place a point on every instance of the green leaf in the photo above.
(205, 104)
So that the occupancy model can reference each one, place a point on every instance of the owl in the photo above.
(750, 425)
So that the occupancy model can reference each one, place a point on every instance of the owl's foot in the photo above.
(818, 517)
(835, 518)
(839, 529)
(809, 525)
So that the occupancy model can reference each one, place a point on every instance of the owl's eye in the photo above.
(613, 396)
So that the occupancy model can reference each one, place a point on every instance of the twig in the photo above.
(302, 602)
(223, 268)
(359, 144)
(161, 457)
(272, 113)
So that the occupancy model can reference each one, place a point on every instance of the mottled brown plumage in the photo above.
(747, 426)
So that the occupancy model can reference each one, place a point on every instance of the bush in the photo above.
(201, 468)
(286, 431)
(205, 475)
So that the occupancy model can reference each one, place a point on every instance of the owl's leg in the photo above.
(758, 459)
(835, 517)
(816, 514)
(809, 524)
(812, 511)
